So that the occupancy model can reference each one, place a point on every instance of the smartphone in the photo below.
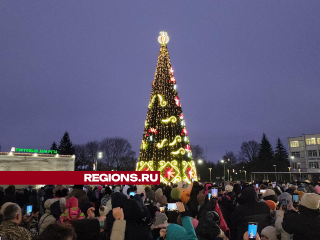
(262, 191)
(192, 179)
(252, 230)
(131, 194)
(284, 204)
(273, 185)
(257, 185)
(162, 209)
(209, 196)
(83, 188)
(295, 198)
(241, 187)
(29, 209)
(172, 207)
(214, 192)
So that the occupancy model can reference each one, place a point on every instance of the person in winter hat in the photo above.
(317, 189)
(80, 194)
(87, 229)
(47, 218)
(303, 225)
(150, 193)
(175, 194)
(270, 195)
(208, 227)
(269, 233)
(271, 204)
(106, 197)
(177, 232)
(72, 212)
(160, 221)
(160, 198)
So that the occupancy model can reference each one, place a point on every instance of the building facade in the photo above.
(10, 161)
(304, 152)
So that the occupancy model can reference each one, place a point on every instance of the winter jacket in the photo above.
(303, 225)
(80, 195)
(249, 212)
(118, 230)
(186, 232)
(278, 225)
(45, 221)
(201, 197)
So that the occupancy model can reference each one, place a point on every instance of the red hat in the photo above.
(271, 204)
(72, 202)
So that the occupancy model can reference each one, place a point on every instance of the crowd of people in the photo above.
(164, 212)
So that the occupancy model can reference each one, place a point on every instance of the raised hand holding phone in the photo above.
(180, 207)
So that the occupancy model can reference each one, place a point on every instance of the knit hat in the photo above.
(176, 232)
(271, 204)
(103, 210)
(268, 192)
(3, 207)
(48, 203)
(310, 200)
(228, 188)
(150, 193)
(270, 232)
(195, 223)
(161, 218)
(175, 194)
(72, 202)
(159, 192)
(286, 196)
(317, 188)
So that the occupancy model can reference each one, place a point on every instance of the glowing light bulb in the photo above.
(163, 39)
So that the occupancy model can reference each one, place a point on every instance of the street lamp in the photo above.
(224, 169)
(290, 172)
(245, 175)
(210, 172)
(228, 174)
(200, 161)
(275, 171)
(99, 156)
(300, 173)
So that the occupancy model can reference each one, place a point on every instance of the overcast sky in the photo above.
(242, 68)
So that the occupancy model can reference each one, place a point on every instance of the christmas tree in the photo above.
(165, 145)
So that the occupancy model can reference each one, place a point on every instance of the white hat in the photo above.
(270, 232)
(310, 200)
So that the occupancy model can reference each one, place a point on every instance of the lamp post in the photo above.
(228, 174)
(224, 169)
(275, 171)
(290, 172)
(100, 154)
(300, 173)
(200, 161)
(210, 172)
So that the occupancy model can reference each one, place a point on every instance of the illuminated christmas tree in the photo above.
(165, 145)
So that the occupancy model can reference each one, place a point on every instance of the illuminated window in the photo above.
(313, 165)
(311, 141)
(294, 144)
(312, 153)
(318, 140)
(295, 154)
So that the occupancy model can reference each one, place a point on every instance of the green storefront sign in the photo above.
(27, 150)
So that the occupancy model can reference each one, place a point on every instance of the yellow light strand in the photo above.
(179, 151)
(143, 145)
(162, 102)
(170, 119)
(177, 138)
(160, 145)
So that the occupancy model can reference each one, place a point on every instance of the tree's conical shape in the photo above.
(165, 145)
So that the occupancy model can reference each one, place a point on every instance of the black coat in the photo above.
(249, 212)
(303, 225)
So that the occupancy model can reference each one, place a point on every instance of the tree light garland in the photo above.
(177, 138)
(172, 119)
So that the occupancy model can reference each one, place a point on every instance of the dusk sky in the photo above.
(242, 68)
